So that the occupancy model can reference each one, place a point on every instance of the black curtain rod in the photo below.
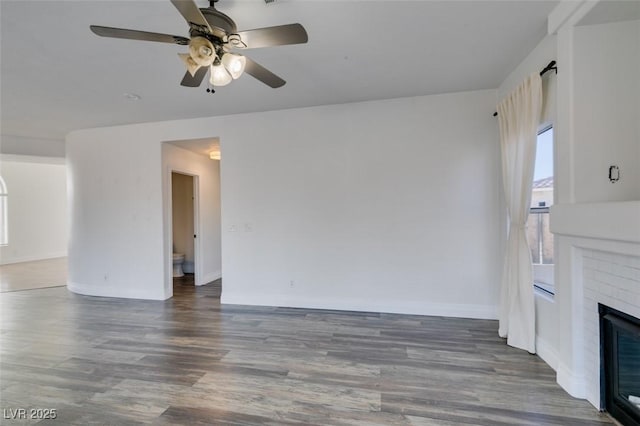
(549, 67)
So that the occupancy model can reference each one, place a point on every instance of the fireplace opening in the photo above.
(620, 365)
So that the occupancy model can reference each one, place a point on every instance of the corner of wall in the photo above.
(213, 276)
(574, 384)
(547, 351)
(568, 13)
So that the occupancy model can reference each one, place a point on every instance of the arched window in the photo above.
(4, 231)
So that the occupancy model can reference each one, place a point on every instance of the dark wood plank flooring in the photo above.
(190, 360)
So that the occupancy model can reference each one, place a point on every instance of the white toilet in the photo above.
(178, 259)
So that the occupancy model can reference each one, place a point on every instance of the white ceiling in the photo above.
(57, 76)
(612, 11)
(199, 146)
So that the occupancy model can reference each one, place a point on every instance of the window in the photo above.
(4, 233)
(538, 233)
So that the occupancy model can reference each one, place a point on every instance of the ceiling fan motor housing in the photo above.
(220, 24)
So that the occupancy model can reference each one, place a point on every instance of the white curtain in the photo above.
(519, 118)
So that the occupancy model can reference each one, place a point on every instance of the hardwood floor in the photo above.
(190, 360)
(30, 275)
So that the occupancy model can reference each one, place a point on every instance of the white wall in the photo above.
(116, 244)
(388, 206)
(607, 111)
(382, 206)
(37, 206)
(208, 261)
(546, 308)
(182, 199)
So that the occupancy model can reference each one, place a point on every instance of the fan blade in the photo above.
(194, 80)
(270, 36)
(137, 35)
(189, 11)
(264, 75)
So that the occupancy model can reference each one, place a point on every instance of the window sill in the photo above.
(546, 291)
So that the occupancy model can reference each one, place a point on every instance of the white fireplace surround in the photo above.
(602, 243)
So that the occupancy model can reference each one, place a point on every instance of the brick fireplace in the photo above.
(613, 280)
(601, 246)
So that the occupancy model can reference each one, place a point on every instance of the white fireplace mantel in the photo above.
(615, 221)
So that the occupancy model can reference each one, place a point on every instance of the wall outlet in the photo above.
(292, 283)
(232, 228)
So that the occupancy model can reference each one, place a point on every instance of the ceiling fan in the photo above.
(214, 37)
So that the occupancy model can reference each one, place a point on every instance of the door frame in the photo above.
(197, 246)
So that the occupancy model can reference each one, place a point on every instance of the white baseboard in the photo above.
(7, 260)
(212, 276)
(118, 292)
(399, 307)
(574, 384)
(547, 352)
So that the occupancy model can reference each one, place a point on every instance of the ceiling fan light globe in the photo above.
(202, 51)
(219, 76)
(192, 67)
(234, 63)
(205, 51)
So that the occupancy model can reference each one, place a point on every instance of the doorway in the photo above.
(193, 176)
(183, 218)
